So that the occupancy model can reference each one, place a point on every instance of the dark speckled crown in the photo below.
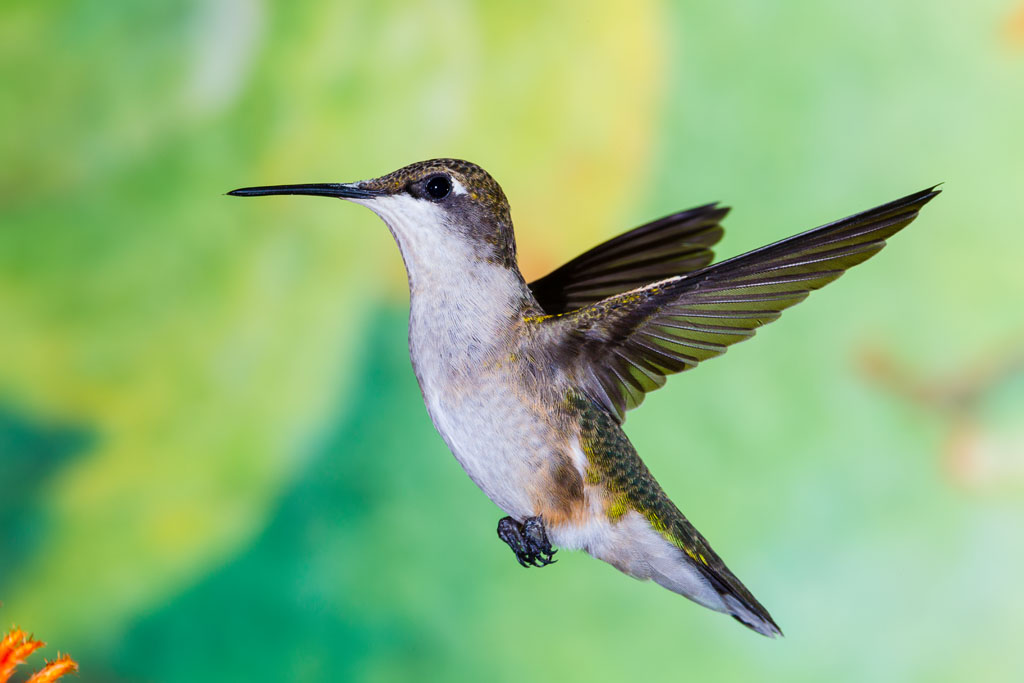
(481, 186)
(482, 214)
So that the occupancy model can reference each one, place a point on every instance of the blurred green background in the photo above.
(215, 463)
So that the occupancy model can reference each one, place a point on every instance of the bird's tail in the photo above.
(683, 566)
(673, 566)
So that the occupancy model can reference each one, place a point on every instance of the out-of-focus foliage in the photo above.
(214, 460)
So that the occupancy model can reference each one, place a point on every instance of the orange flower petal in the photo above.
(54, 670)
(15, 647)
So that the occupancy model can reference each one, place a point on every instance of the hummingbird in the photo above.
(529, 383)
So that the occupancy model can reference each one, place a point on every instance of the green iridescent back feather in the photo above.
(615, 465)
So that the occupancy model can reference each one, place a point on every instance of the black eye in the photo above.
(438, 187)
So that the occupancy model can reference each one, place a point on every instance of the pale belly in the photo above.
(471, 354)
(506, 446)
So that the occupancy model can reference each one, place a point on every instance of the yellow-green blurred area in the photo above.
(215, 463)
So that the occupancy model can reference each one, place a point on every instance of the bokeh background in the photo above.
(214, 459)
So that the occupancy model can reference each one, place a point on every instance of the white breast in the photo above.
(459, 338)
(495, 440)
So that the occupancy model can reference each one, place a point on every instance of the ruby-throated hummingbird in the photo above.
(528, 383)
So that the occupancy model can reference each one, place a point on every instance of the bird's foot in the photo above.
(537, 540)
(529, 541)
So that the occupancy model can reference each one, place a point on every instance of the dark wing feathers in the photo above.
(625, 345)
(673, 245)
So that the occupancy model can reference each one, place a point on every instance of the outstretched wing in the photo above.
(622, 347)
(673, 245)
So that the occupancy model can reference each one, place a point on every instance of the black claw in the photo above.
(536, 540)
(529, 541)
(510, 531)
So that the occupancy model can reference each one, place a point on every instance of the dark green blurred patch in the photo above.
(351, 571)
(32, 451)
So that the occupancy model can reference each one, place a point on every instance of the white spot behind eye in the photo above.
(457, 187)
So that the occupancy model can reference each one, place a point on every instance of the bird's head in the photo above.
(432, 206)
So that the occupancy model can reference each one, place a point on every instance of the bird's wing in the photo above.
(622, 347)
(673, 245)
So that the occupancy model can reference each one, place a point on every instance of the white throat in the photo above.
(456, 298)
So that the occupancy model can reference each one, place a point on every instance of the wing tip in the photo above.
(905, 207)
(911, 204)
(928, 194)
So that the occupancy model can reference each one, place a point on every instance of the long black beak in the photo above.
(340, 190)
